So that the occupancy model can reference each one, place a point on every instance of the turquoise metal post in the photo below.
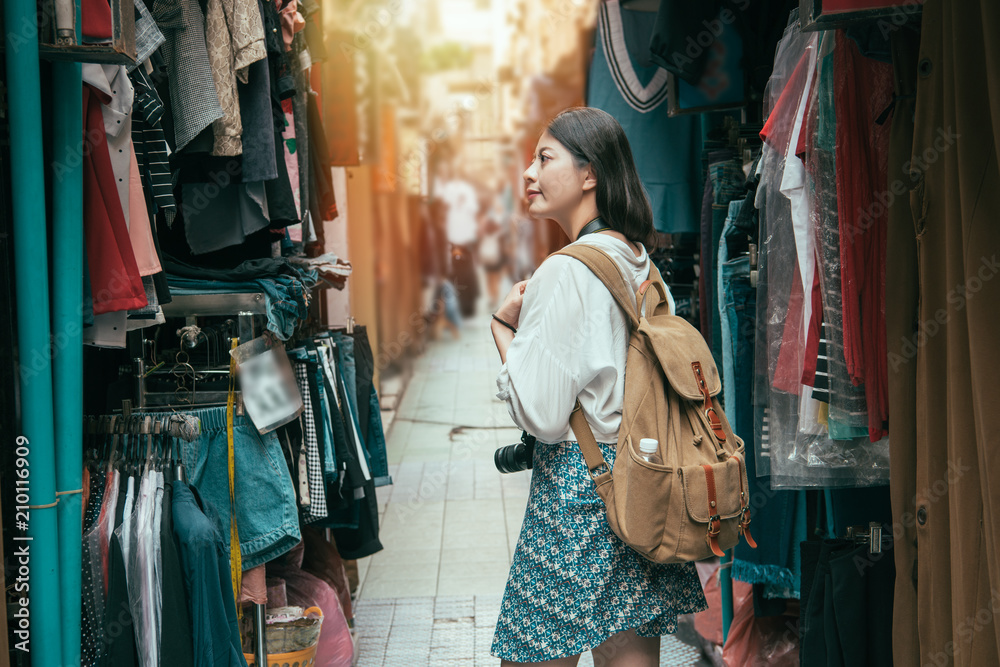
(31, 278)
(726, 593)
(67, 335)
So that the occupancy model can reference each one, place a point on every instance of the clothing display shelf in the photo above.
(59, 38)
(827, 15)
(244, 305)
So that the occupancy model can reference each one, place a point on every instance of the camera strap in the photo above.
(595, 225)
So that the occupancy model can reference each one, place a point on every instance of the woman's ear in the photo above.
(589, 178)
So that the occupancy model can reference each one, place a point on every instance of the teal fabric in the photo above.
(667, 151)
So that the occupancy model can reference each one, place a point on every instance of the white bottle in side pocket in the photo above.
(647, 451)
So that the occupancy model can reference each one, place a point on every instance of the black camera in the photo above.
(516, 457)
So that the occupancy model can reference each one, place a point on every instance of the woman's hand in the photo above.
(510, 310)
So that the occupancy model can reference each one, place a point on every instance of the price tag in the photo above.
(270, 395)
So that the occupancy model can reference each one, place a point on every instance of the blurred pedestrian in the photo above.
(461, 230)
(493, 248)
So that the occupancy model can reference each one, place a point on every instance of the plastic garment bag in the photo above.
(142, 566)
(796, 446)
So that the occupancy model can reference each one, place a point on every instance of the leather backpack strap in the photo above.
(745, 506)
(648, 306)
(588, 443)
(607, 269)
(714, 521)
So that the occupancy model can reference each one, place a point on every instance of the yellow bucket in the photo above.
(304, 658)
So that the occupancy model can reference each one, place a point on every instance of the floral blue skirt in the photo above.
(573, 583)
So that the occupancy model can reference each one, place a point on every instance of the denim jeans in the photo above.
(777, 517)
(267, 515)
(727, 180)
(345, 361)
(359, 366)
(732, 276)
(326, 432)
(378, 459)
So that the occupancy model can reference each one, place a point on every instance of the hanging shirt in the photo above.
(147, 34)
(667, 151)
(114, 275)
(571, 342)
(118, 94)
(193, 100)
(234, 32)
(149, 141)
(863, 89)
(205, 567)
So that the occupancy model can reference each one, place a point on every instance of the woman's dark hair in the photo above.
(594, 137)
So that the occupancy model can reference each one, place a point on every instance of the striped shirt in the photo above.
(150, 143)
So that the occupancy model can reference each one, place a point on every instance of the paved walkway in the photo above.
(450, 521)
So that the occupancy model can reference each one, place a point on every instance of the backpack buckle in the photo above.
(715, 424)
(714, 528)
(745, 527)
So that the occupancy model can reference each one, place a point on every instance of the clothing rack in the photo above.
(872, 536)
(244, 305)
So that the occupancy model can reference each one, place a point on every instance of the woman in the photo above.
(573, 585)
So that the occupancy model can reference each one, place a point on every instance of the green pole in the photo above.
(726, 593)
(67, 339)
(40, 547)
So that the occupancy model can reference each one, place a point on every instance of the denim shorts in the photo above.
(266, 512)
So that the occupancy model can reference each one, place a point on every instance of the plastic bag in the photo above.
(336, 647)
(758, 642)
(321, 558)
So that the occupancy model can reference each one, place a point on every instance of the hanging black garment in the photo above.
(677, 43)
(119, 634)
(364, 363)
(845, 616)
(259, 154)
(177, 642)
(362, 541)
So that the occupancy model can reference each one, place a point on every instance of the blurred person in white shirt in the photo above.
(461, 230)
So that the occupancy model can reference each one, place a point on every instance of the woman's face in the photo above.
(553, 184)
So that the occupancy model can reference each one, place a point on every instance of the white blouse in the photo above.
(571, 342)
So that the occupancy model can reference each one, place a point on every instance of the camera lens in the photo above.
(516, 457)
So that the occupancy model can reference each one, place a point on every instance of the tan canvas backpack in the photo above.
(697, 503)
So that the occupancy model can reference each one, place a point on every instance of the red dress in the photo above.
(114, 275)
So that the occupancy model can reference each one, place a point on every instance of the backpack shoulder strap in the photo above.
(607, 269)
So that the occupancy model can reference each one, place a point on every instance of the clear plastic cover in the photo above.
(807, 436)
(142, 567)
